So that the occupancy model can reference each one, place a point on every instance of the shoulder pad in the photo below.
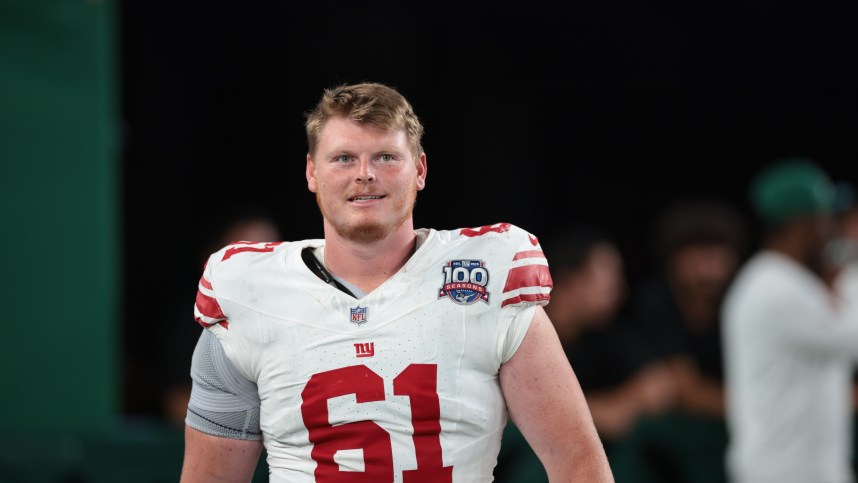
(207, 310)
(528, 279)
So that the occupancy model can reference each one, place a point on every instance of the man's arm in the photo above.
(222, 435)
(212, 459)
(546, 403)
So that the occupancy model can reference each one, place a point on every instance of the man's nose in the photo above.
(365, 171)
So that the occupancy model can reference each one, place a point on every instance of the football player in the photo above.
(381, 353)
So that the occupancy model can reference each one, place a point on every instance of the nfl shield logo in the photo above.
(358, 315)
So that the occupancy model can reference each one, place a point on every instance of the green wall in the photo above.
(59, 230)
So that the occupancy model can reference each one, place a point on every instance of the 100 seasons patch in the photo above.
(465, 281)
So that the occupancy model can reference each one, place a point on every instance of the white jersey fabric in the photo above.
(789, 346)
(403, 381)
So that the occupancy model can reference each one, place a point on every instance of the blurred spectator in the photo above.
(842, 248)
(589, 293)
(699, 244)
(590, 290)
(243, 223)
(790, 339)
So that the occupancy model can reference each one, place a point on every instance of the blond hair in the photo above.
(372, 104)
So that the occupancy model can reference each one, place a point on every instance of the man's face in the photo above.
(601, 284)
(704, 269)
(365, 179)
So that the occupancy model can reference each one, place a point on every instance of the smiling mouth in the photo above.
(366, 197)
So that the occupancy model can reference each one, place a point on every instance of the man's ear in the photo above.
(421, 172)
(311, 174)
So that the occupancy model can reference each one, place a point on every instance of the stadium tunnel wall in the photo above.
(60, 284)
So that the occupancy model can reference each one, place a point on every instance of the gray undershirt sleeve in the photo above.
(223, 402)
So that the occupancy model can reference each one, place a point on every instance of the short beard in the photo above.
(372, 232)
(366, 233)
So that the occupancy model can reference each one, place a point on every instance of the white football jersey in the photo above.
(398, 386)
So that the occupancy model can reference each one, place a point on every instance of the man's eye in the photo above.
(386, 157)
(343, 158)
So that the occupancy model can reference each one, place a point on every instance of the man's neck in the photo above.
(368, 265)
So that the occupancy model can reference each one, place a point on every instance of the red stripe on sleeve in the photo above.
(529, 254)
(531, 297)
(208, 306)
(222, 323)
(528, 276)
(205, 283)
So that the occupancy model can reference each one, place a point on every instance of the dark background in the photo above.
(537, 114)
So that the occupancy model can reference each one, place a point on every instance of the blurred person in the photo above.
(590, 291)
(791, 340)
(840, 250)
(245, 223)
(699, 244)
(589, 294)
(380, 353)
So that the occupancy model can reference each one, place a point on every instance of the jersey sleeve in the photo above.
(528, 284)
(207, 309)
(528, 280)
(218, 306)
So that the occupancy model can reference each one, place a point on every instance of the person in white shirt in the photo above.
(790, 339)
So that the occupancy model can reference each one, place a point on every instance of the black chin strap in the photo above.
(319, 270)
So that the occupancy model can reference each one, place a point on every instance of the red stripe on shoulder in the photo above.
(234, 250)
(528, 276)
(529, 254)
(533, 297)
(205, 283)
(496, 228)
(208, 306)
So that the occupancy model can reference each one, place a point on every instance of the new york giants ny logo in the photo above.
(365, 349)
